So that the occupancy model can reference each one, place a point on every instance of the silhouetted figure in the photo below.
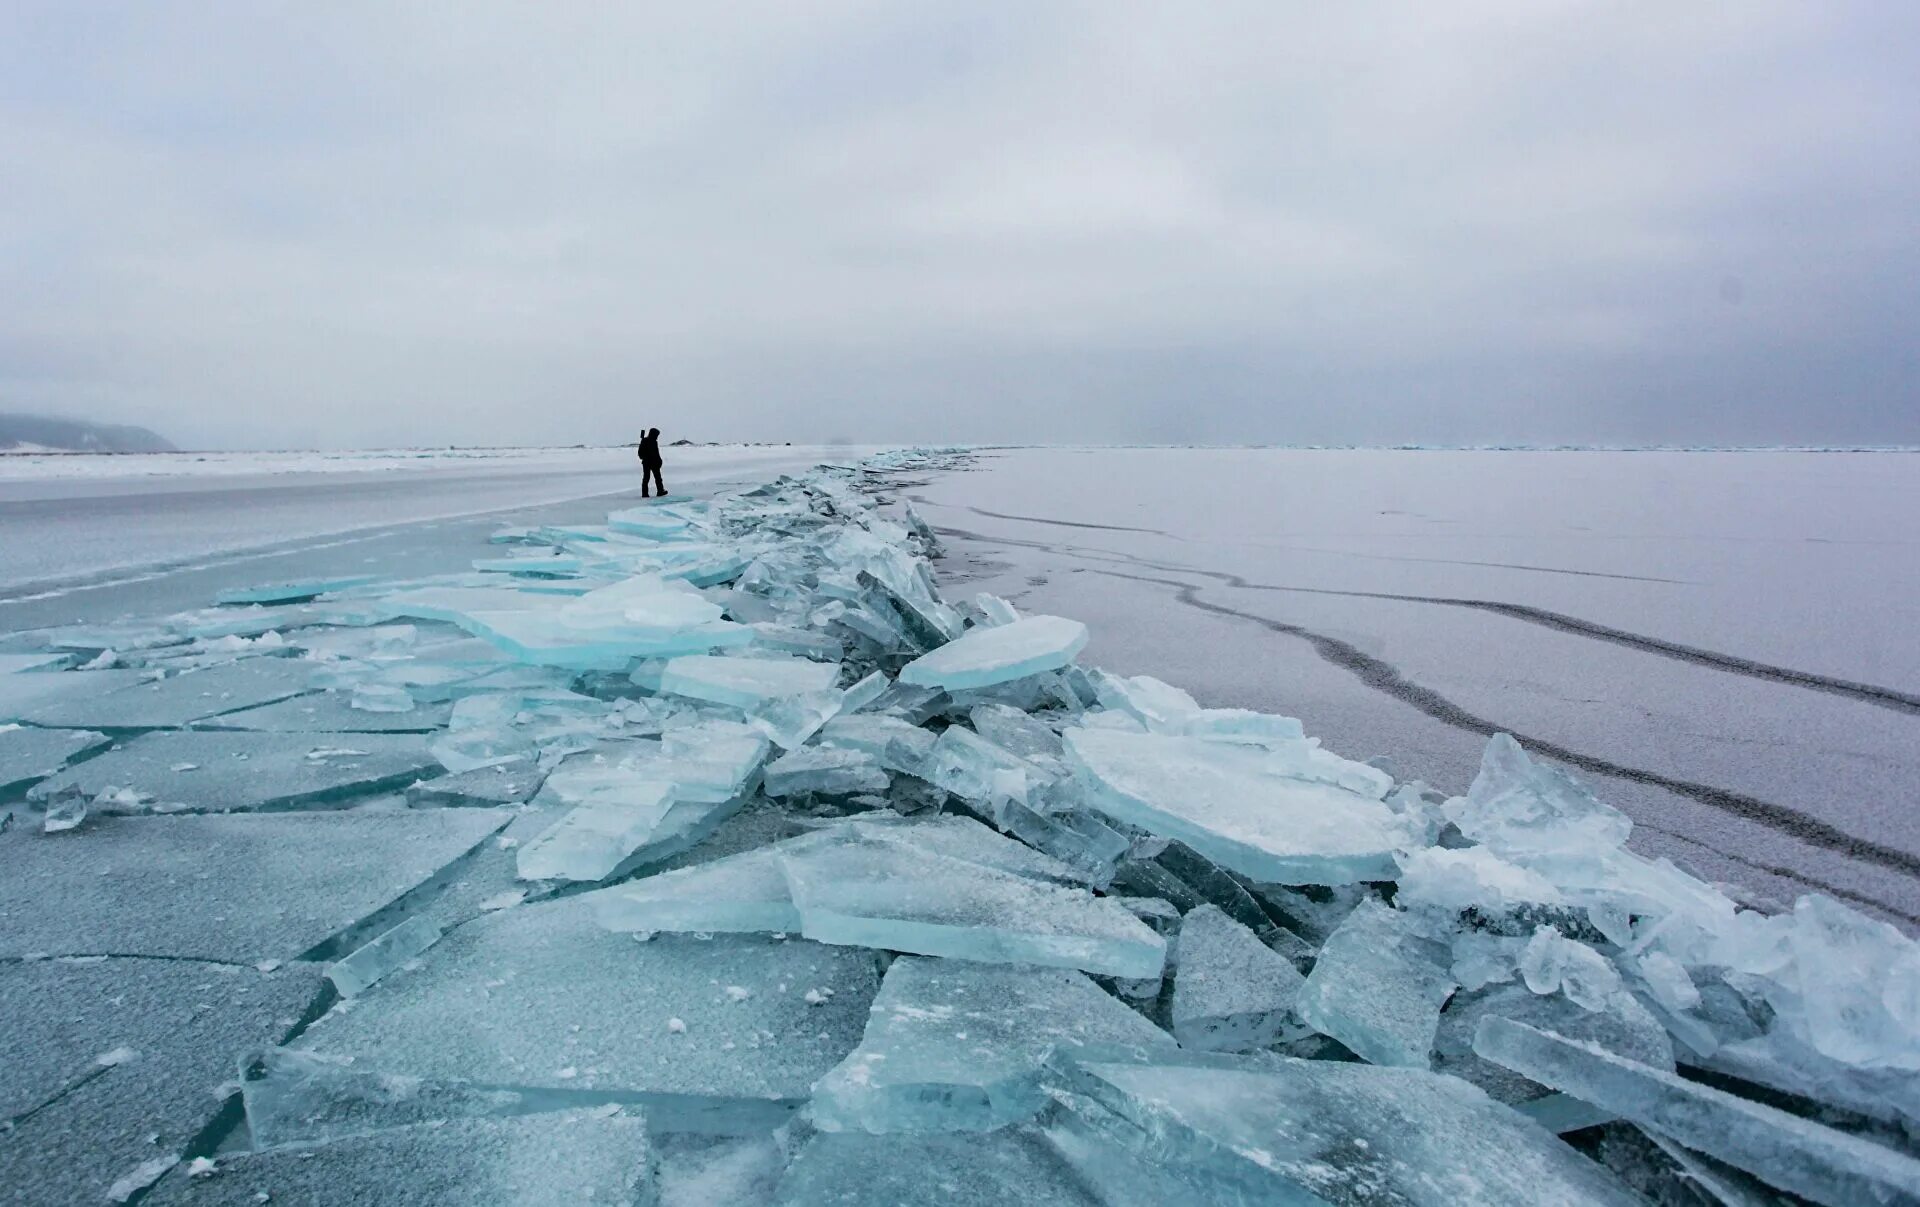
(650, 463)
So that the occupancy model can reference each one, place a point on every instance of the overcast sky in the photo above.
(335, 224)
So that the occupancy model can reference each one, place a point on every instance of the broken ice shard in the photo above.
(294, 1097)
(866, 891)
(829, 771)
(1790, 1152)
(982, 657)
(896, 744)
(594, 838)
(219, 772)
(1231, 992)
(1519, 807)
(956, 1046)
(1238, 806)
(1377, 988)
(742, 893)
(974, 769)
(540, 997)
(1270, 1129)
(358, 972)
(744, 682)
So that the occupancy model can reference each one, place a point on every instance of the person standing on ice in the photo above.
(650, 463)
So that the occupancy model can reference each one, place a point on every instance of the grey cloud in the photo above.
(352, 224)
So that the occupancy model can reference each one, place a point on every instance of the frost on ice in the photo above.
(712, 843)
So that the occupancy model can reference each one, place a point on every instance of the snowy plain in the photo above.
(1721, 642)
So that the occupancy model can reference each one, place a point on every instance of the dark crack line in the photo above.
(1385, 678)
(72, 1085)
(1866, 693)
(57, 957)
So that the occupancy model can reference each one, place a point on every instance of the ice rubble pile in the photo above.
(1124, 948)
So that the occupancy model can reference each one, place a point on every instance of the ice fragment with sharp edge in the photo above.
(957, 1046)
(1377, 988)
(361, 970)
(1796, 1154)
(1231, 992)
(985, 656)
(830, 771)
(1237, 805)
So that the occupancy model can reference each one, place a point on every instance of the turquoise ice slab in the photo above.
(1202, 1129)
(242, 888)
(1010, 1168)
(222, 772)
(22, 694)
(595, 838)
(291, 592)
(958, 1046)
(329, 712)
(719, 1034)
(745, 682)
(532, 1161)
(108, 1064)
(744, 893)
(982, 657)
(1784, 1150)
(1623, 1027)
(1235, 805)
(873, 892)
(182, 699)
(1231, 992)
(28, 756)
(827, 770)
(1377, 989)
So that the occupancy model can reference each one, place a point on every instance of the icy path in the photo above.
(67, 521)
(1724, 640)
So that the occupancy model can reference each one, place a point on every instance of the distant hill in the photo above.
(23, 433)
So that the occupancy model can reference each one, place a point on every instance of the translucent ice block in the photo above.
(985, 656)
(958, 1046)
(896, 744)
(868, 892)
(593, 839)
(970, 767)
(742, 893)
(1228, 803)
(295, 1097)
(1009, 1168)
(745, 682)
(1231, 992)
(1014, 731)
(830, 771)
(1377, 988)
(1785, 1150)
(358, 972)
(1268, 1129)
(540, 996)
(1519, 807)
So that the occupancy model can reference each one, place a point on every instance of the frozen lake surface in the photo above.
(1723, 642)
(475, 831)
